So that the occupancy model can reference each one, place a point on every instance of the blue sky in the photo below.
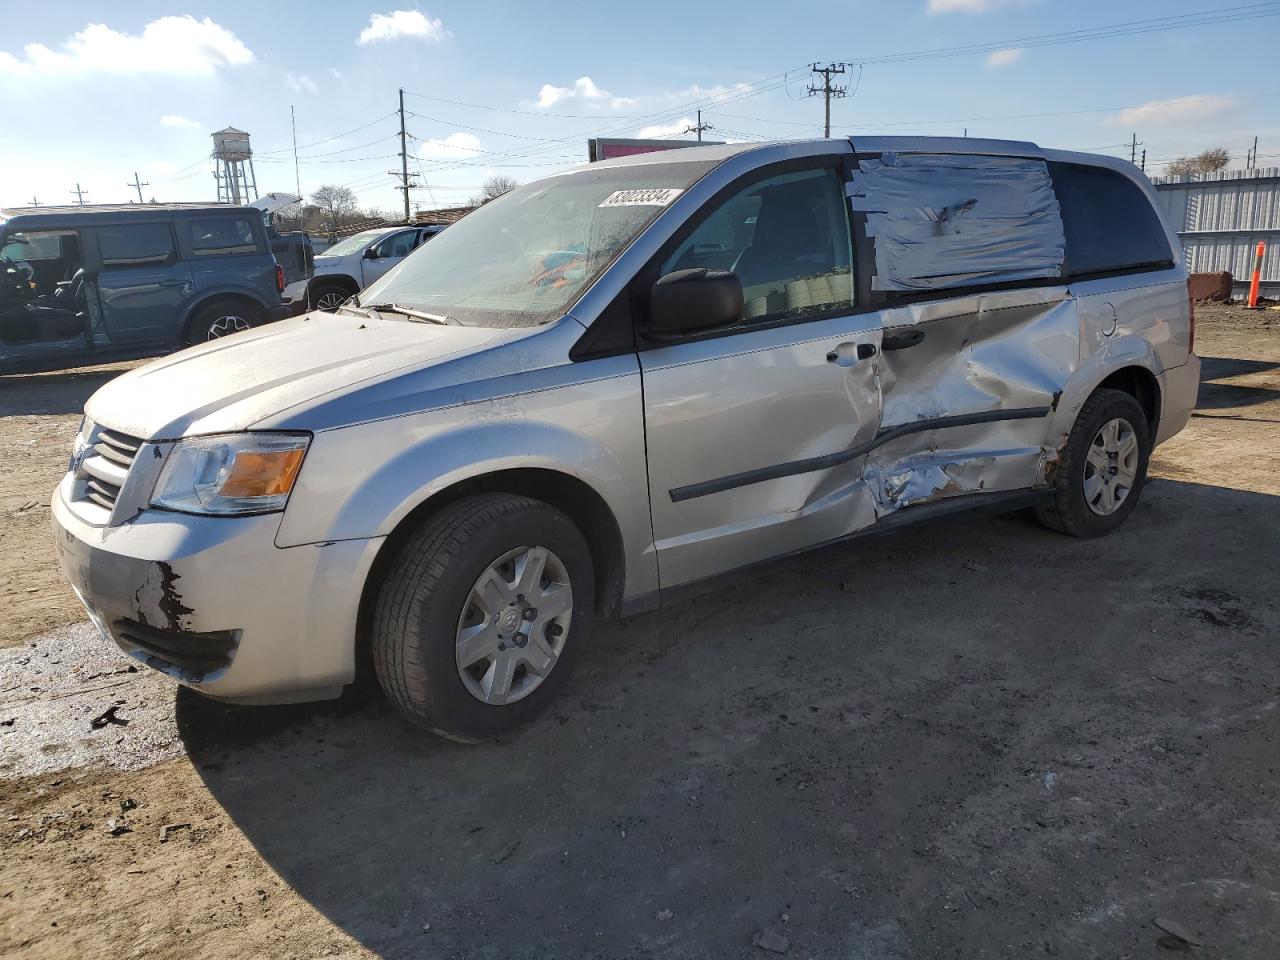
(94, 92)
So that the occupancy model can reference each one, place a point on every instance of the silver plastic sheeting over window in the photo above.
(941, 221)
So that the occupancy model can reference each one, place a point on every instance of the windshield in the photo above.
(351, 244)
(524, 258)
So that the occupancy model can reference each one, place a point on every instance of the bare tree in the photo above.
(493, 188)
(336, 205)
(1209, 161)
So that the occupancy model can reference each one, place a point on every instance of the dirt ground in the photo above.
(39, 416)
(971, 739)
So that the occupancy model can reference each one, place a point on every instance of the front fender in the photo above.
(371, 476)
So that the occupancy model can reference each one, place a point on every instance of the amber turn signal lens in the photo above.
(258, 473)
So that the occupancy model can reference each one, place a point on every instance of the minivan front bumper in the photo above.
(215, 604)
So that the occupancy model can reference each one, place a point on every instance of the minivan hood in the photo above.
(234, 383)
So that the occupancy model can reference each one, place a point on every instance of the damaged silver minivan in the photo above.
(616, 383)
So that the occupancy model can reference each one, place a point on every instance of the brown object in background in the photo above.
(1211, 286)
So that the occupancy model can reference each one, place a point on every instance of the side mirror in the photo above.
(371, 253)
(697, 299)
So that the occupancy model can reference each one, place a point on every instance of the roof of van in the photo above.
(870, 143)
(45, 218)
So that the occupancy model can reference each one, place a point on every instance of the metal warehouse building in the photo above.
(1221, 217)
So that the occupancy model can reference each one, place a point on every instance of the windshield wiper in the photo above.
(410, 313)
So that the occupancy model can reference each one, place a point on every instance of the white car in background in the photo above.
(353, 263)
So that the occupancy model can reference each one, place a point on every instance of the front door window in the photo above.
(787, 239)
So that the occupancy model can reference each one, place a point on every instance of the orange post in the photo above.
(1257, 276)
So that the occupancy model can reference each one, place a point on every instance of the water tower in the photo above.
(233, 166)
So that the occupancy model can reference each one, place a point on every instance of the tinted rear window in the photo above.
(222, 236)
(135, 244)
(1109, 223)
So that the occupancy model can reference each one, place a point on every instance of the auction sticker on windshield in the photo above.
(650, 197)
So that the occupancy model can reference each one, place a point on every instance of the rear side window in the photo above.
(1109, 223)
(222, 236)
(943, 221)
(135, 244)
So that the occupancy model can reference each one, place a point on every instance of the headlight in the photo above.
(231, 474)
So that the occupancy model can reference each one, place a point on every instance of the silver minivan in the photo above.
(609, 387)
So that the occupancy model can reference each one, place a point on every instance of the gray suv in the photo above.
(83, 285)
(616, 385)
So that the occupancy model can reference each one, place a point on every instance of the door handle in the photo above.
(173, 283)
(900, 341)
(847, 354)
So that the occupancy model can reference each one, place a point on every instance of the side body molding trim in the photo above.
(826, 461)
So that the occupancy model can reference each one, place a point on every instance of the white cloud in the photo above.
(584, 90)
(300, 83)
(1180, 110)
(181, 123)
(402, 23)
(715, 94)
(454, 145)
(971, 6)
(1002, 58)
(660, 131)
(170, 45)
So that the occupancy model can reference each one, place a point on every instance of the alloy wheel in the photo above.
(224, 326)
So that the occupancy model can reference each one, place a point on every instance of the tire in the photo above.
(220, 319)
(328, 296)
(426, 609)
(1080, 505)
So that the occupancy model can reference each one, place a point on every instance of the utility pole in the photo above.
(79, 194)
(698, 127)
(34, 201)
(405, 185)
(827, 91)
(1133, 150)
(1253, 156)
(137, 185)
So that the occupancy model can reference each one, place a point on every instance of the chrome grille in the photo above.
(106, 465)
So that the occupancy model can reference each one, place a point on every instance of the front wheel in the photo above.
(1103, 467)
(329, 297)
(483, 612)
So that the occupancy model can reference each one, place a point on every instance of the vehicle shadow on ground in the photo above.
(42, 394)
(1225, 396)
(970, 733)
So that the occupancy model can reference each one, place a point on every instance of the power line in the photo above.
(1234, 14)
(336, 136)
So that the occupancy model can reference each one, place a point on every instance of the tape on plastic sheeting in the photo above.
(941, 221)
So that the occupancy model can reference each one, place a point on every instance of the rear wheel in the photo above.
(483, 612)
(221, 319)
(1103, 467)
